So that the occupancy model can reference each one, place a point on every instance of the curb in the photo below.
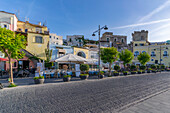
(141, 100)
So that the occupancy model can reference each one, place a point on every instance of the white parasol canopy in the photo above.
(71, 58)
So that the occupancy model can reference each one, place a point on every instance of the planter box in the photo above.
(148, 71)
(143, 71)
(133, 72)
(139, 72)
(39, 81)
(84, 77)
(116, 74)
(100, 76)
(153, 71)
(125, 74)
(67, 79)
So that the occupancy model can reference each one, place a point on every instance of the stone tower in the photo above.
(140, 35)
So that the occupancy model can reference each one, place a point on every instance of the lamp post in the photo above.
(99, 29)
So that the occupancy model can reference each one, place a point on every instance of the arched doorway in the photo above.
(82, 54)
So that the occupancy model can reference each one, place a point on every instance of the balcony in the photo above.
(46, 32)
(165, 55)
(153, 55)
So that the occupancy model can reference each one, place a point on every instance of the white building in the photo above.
(75, 40)
(55, 39)
(8, 20)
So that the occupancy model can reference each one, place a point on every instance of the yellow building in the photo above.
(159, 51)
(81, 52)
(37, 38)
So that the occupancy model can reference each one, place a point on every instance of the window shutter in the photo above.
(33, 39)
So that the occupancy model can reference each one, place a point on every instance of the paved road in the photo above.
(107, 95)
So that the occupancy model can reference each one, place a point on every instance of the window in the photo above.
(15, 64)
(26, 30)
(108, 39)
(54, 37)
(5, 26)
(122, 40)
(143, 51)
(57, 43)
(38, 39)
(165, 53)
(70, 40)
(115, 40)
(161, 60)
(38, 30)
(79, 40)
(142, 38)
(152, 59)
(153, 53)
(141, 44)
(136, 44)
(92, 56)
(50, 36)
(136, 53)
(57, 38)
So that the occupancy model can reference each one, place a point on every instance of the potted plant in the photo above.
(84, 76)
(116, 67)
(154, 71)
(67, 78)
(115, 73)
(39, 80)
(101, 75)
(125, 73)
(149, 70)
(143, 71)
(84, 68)
(140, 72)
(133, 72)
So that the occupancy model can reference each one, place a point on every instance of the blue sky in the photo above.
(123, 17)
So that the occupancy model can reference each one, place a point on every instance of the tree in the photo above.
(109, 55)
(48, 54)
(11, 44)
(84, 67)
(126, 56)
(143, 58)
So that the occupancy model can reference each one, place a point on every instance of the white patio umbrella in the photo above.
(71, 58)
(92, 61)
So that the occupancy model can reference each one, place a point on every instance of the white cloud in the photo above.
(142, 24)
(155, 11)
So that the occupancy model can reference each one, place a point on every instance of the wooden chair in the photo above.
(47, 75)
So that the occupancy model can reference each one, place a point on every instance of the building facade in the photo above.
(159, 51)
(117, 41)
(37, 38)
(8, 20)
(55, 39)
(75, 40)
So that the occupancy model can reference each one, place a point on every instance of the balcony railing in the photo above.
(165, 54)
(153, 55)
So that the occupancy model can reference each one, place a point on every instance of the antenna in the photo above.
(45, 23)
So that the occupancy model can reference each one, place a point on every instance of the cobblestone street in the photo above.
(107, 95)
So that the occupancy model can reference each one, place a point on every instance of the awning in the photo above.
(3, 59)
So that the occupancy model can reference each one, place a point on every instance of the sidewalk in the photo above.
(157, 104)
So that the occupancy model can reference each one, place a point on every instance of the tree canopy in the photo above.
(126, 56)
(11, 44)
(143, 58)
(109, 55)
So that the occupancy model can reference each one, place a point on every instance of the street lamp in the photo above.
(98, 31)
